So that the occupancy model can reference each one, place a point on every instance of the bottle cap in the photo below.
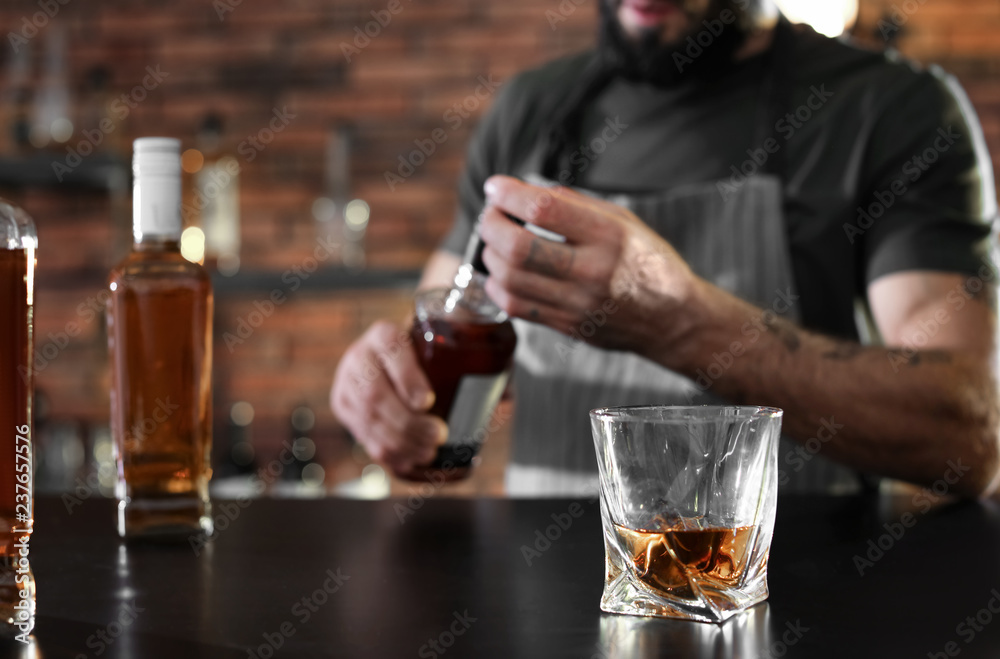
(156, 191)
(17, 230)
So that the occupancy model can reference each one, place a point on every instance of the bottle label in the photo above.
(475, 401)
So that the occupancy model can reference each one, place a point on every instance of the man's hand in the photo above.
(381, 395)
(611, 262)
(906, 413)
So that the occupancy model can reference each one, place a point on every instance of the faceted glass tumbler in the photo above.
(688, 498)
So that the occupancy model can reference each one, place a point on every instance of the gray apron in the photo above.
(737, 242)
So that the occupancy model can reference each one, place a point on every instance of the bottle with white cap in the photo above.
(18, 248)
(160, 343)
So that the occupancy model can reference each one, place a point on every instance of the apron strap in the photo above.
(776, 93)
(567, 119)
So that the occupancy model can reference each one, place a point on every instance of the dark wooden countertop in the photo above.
(342, 578)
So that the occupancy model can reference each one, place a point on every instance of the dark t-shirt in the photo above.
(864, 130)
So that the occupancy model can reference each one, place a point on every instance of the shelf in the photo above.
(322, 280)
(258, 282)
(98, 171)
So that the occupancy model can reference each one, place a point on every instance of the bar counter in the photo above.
(849, 577)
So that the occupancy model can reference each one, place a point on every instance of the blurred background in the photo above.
(310, 171)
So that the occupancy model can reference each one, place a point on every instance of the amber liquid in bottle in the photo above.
(15, 368)
(159, 333)
(160, 341)
(449, 352)
(465, 345)
(16, 504)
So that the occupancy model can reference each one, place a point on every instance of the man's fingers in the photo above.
(388, 430)
(557, 209)
(427, 432)
(362, 404)
(379, 392)
(393, 352)
(533, 310)
(533, 286)
(418, 446)
(523, 248)
(503, 236)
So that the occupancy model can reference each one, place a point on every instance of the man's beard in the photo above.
(664, 65)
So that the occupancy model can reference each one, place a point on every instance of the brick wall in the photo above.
(248, 59)
(959, 35)
(245, 61)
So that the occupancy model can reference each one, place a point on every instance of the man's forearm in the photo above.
(899, 413)
(904, 415)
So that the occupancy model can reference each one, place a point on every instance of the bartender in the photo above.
(754, 213)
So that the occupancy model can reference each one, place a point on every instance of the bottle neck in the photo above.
(468, 297)
(157, 244)
(156, 211)
(468, 289)
(473, 256)
(468, 277)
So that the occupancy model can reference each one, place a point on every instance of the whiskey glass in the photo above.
(688, 499)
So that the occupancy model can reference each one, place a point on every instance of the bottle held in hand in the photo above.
(465, 344)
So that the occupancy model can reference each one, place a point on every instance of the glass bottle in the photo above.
(17, 286)
(160, 343)
(217, 194)
(465, 344)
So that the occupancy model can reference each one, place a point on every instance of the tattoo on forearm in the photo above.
(844, 352)
(911, 358)
(785, 331)
(550, 258)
